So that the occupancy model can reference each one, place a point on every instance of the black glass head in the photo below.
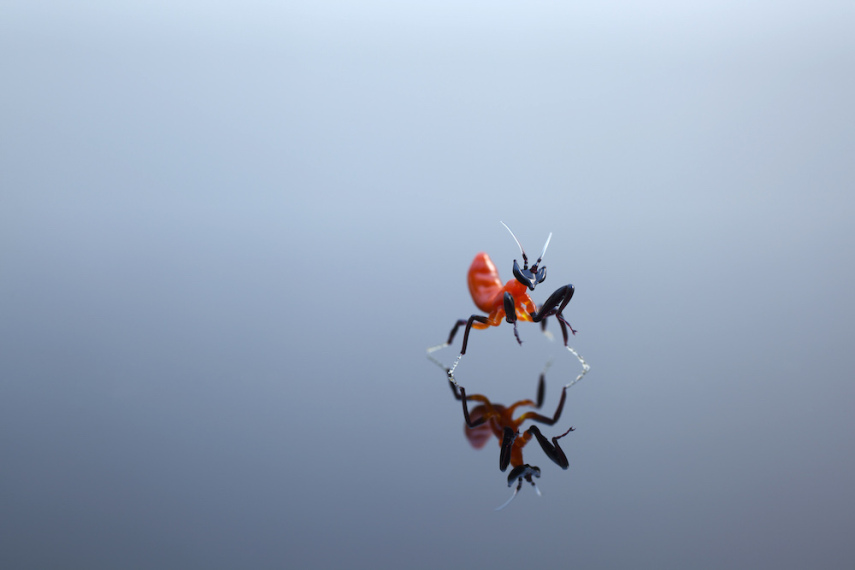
(529, 277)
(523, 472)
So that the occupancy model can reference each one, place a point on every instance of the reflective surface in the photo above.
(228, 234)
(489, 418)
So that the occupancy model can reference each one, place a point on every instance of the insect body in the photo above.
(510, 301)
(488, 419)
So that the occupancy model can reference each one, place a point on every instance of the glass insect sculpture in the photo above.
(510, 302)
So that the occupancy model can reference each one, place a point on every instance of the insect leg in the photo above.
(450, 336)
(511, 313)
(463, 397)
(552, 450)
(535, 417)
(554, 305)
(473, 318)
(507, 445)
(541, 391)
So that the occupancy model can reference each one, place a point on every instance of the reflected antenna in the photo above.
(508, 502)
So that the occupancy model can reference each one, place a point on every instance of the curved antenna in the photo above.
(542, 253)
(522, 251)
(508, 502)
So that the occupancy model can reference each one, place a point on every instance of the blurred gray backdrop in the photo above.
(228, 232)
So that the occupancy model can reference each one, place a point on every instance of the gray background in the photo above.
(228, 231)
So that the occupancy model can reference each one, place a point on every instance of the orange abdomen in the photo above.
(484, 282)
(479, 435)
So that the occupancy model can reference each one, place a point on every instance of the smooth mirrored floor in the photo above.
(228, 234)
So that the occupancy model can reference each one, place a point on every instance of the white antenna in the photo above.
(542, 253)
(522, 251)
(508, 502)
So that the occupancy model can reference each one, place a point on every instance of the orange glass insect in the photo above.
(509, 301)
(488, 419)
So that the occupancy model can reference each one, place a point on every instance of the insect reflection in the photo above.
(488, 419)
(510, 301)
